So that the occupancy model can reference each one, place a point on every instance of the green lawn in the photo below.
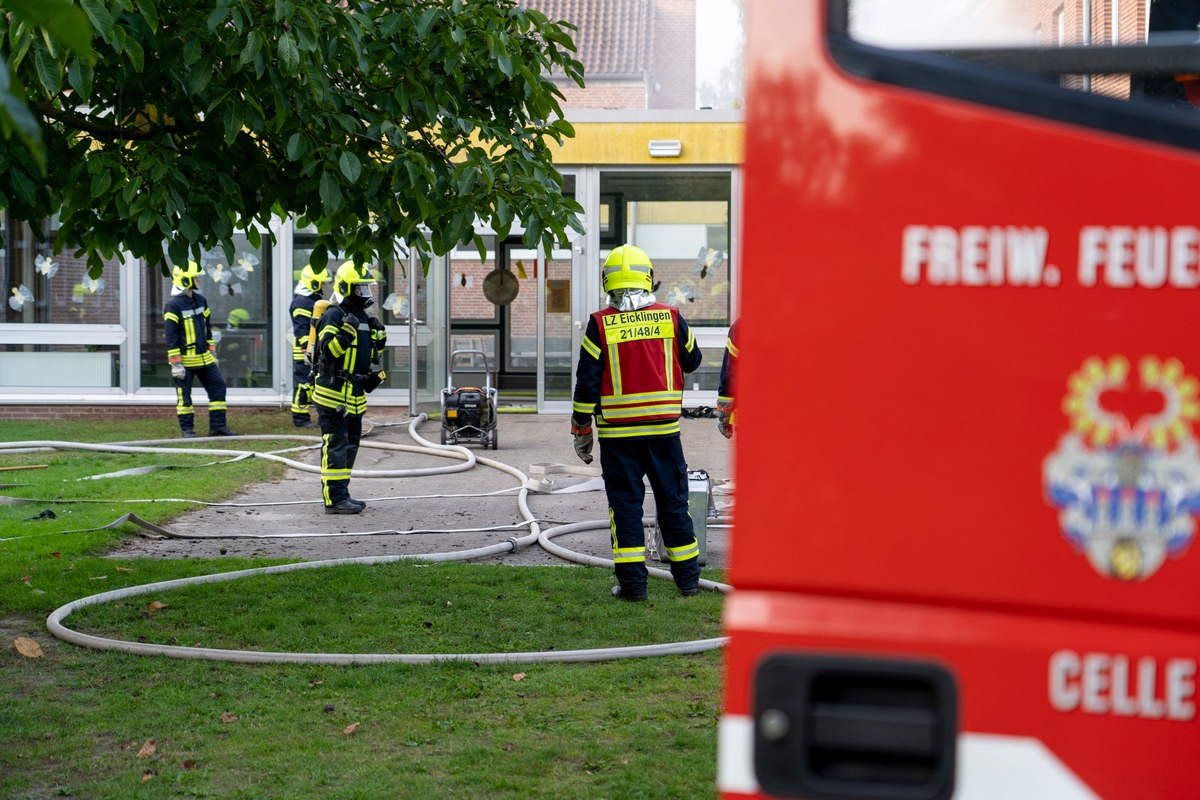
(91, 724)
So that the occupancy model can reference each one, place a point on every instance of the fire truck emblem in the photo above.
(1126, 477)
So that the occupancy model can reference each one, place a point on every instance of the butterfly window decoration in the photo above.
(46, 266)
(244, 266)
(87, 287)
(397, 304)
(226, 278)
(20, 296)
(219, 274)
(708, 259)
(680, 295)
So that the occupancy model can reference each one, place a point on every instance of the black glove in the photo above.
(378, 334)
(583, 440)
(373, 380)
(350, 320)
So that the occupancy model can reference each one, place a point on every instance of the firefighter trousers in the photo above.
(624, 464)
(340, 434)
(213, 381)
(302, 393)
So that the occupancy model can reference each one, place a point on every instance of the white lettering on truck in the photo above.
(1123, 257)
(1114, 256)
(1100, 683)
(976, 255)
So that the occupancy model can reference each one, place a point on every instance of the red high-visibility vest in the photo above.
(643, 381)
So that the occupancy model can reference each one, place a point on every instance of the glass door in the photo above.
(429, 333)
(561, 314)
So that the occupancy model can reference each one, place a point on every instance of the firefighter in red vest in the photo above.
(630, 378)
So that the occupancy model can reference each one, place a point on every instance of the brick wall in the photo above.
(1131, 24)
(604, 94)
(673, 75)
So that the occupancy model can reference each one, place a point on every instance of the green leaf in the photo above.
(504, 214)
(60, 19)
(284, 10)
(563, 127)
(25, 188)
(331, 193)
(48, 69)
(189, 228)
(254, 43)
(137, 56)
(97, 12)
(217, 17)
(80, 76)
(289, 55)
(350, 166)
(318, 258)
(425, 24)
(177, 250)
(201, 74)
(150, 12)
(146, 221)
(16, 116)
(191, 51)
(505, 64)
(101, 182)
(296, 146)
(234, 119)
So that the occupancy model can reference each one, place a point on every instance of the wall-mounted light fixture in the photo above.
(665, 148)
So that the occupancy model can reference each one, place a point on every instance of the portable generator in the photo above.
(469, 412)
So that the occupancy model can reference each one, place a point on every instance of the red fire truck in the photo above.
(967, 446)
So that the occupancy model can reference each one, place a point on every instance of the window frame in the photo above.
(961, 75)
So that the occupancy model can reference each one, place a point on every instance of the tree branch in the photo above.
(111, 133)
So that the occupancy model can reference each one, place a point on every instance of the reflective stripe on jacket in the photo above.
(340, 355)
(631, 371)
(302, 311)
(187, 330)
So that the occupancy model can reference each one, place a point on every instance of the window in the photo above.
(55, 289)
(1147, 58)
(239, 301)
(681, 220)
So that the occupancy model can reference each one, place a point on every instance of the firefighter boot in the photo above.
(344, 507)
(687, 576)
(187, 427)
(622, 593)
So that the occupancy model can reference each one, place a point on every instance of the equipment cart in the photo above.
(469, 412)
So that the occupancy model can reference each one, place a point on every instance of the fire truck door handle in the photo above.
(881, 730)
(830, 727)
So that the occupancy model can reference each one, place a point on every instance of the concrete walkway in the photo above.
(528, 442)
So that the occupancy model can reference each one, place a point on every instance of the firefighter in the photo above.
(192, 353)
(630, 378)
(725, 393)
(348, 350)
(308, 292)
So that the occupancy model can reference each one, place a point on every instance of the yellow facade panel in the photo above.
(629, 143)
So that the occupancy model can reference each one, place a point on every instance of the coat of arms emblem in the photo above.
(1126, 477)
